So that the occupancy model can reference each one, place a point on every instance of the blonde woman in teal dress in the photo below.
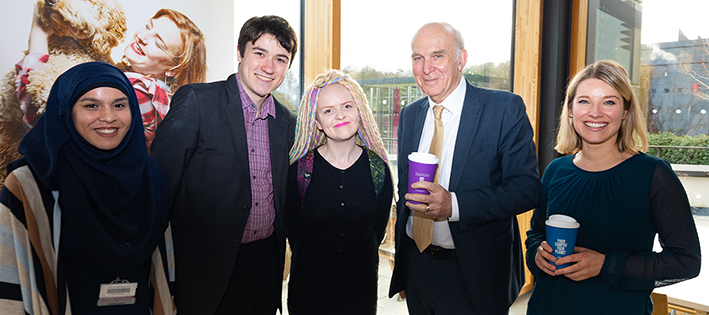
(621, 197)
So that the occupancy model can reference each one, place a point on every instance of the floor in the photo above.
(688, 293)
(387, 306)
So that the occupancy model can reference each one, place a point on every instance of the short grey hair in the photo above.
(460, 44)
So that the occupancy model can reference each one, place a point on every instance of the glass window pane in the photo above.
(674, 89)
(376, 49)
(614, 33)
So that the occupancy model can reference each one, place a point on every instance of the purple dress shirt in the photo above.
(263, 212)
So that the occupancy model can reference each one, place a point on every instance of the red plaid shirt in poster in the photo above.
(154, 103)
(30, 112)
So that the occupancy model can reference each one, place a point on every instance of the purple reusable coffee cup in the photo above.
(561, 235)
(422, 167)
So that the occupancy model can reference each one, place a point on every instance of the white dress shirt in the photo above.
(453, 106)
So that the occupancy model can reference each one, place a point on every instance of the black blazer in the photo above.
(201, 147)
(495, 177)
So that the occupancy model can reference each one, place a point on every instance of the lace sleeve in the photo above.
(680, 258)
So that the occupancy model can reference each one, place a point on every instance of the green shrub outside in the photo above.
(680, 156)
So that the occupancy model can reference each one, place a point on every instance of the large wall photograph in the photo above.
(160, 45)
(43, 38)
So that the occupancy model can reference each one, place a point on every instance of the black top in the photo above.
(334, 237)
(341, 212)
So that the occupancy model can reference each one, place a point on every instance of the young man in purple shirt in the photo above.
(224, 149)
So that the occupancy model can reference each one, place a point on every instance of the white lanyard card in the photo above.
(118, 292)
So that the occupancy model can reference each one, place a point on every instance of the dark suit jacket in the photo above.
(495, 177)
(201, 147)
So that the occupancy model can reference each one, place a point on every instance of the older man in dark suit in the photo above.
(224, 149)
(471, 261)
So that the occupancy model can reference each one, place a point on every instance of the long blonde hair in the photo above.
(632, 136)
(309, 137)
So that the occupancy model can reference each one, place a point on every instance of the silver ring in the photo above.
(427, 209)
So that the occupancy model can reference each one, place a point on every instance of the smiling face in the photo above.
(337, 114)
(597, 113)
(263, 67)
(433, 55)
(154, 47)
(102, 117)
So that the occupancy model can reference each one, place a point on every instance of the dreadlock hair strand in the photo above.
(308, 136)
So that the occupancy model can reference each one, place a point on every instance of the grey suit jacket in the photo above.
(201, 147)
(495, 177)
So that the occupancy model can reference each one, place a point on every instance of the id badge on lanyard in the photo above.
(118, 292)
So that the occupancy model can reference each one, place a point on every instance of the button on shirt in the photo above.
(262, 215)
(451, 120)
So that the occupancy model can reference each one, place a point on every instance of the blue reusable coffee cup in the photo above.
(561, 235)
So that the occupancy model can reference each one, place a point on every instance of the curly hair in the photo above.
(309, 137)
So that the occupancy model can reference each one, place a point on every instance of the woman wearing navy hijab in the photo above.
(85, 210)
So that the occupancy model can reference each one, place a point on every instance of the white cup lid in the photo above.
(561, 217)
(562, 221)
(424, 158)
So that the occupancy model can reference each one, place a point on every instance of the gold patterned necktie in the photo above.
(422, 228)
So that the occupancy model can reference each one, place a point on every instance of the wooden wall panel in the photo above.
(527, 56)
(527, 61)
(579, 24)
(322, 38)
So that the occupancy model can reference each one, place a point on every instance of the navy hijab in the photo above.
(114, 201)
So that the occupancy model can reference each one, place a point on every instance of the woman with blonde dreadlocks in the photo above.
(339, 197)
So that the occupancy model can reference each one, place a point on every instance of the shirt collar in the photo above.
(454, 101)
(269, 106)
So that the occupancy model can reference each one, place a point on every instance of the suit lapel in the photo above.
(469, 121)
(418, 125)
(277, 137)
(235, 117)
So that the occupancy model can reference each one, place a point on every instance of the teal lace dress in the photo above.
(620, 211)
